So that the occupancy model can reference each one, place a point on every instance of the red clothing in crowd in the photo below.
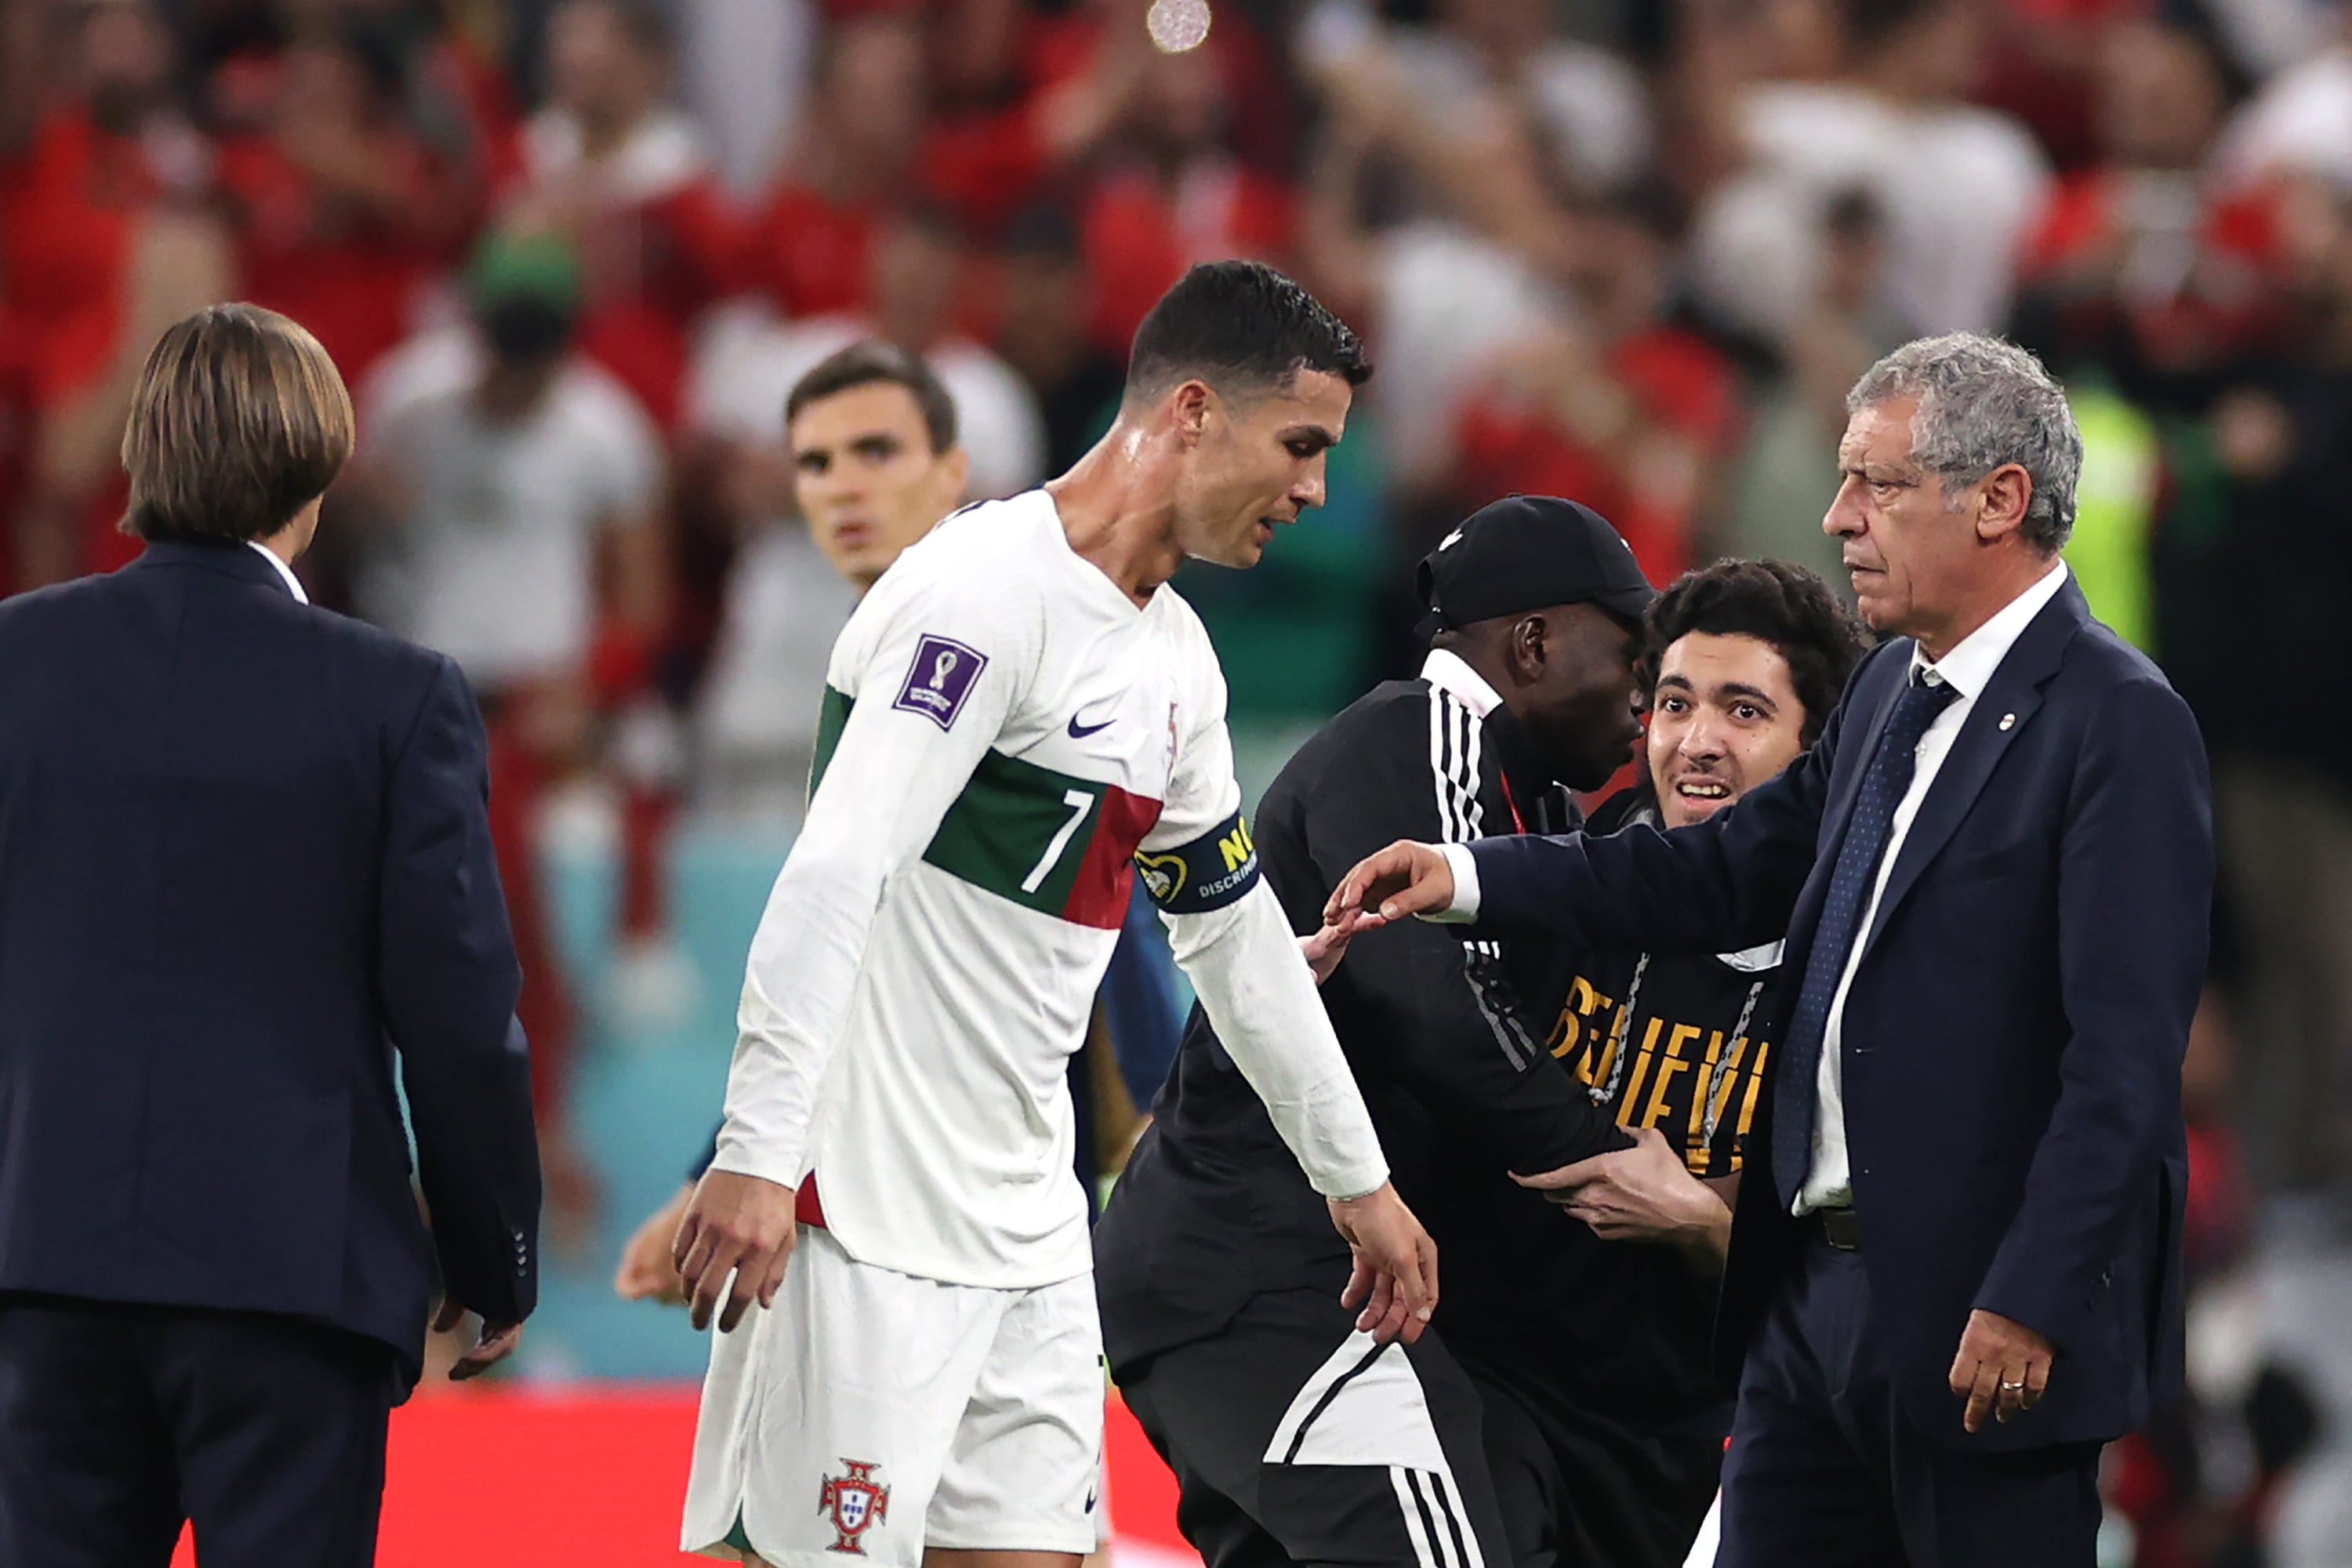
(67, 203)
(2035, 69)
(811, 253)
(69, 200)
(808, 253)
(2222, 301)
(349, 276)
(1507, 444)
(1140, 235)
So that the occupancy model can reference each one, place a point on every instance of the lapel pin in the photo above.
(2007, 719)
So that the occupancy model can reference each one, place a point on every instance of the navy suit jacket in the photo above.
(2012, 1039)
(244, 858)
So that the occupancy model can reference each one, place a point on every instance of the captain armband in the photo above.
(1209, 873)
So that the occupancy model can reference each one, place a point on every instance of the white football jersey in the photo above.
(1007, 740)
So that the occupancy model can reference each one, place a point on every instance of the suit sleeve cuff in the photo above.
(1463, 910)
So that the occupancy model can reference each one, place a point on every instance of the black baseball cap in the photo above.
(1528, 552)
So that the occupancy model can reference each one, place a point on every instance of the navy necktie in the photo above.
(1794, 1097)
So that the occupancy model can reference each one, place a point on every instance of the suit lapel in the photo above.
(2000, 715)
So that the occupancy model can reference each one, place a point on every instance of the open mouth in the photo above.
(1703, 792)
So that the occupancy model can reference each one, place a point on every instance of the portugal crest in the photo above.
(856, 1503)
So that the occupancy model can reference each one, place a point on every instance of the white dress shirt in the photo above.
(293, 583)
(1968, 668)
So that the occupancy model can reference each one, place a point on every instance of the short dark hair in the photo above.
(1242, 328)
(1774, 602)
(238, 421)
(874, 361)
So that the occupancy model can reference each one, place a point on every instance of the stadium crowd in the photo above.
(571, 255)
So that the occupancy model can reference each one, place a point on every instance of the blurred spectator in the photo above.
(1589, 104)
(625, 176)
(1957, 183)
(2200, 1482)
(99, 250)
(1171, 192)
(872, 144)
(748, 362)
(807, 250)
(1786, 472)
(2258, 566)
(1462, 278)
(342, 212)
(1612, 404)
(2301, 123)
(2136, 262)
(522, 489)
(744, 72)
(1044, 310)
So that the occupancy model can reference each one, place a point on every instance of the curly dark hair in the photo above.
(1774, 602)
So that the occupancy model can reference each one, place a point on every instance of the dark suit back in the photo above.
(2012, 1037)
(244, 857)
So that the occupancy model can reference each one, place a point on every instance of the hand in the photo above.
(497, 1341)
(738, 1224)
(648, 1270)
(1324, 950)
(1406, 878)
(1394, 1276)
(2003, 1367)
(1642, 1194)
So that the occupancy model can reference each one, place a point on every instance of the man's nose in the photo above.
(1844, 519)
(1307, 493)
(1702, 739)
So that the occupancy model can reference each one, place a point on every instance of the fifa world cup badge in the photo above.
(856, 1503)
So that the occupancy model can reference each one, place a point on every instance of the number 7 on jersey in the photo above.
(1080, 802)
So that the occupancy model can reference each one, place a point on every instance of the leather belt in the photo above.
(1839, 1227)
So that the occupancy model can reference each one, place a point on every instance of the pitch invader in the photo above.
(1018, 714)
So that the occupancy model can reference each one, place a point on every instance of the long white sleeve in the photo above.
(929, 671)
(1245, 964)
(1230, 937)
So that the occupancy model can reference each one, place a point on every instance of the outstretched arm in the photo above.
(1726, 883)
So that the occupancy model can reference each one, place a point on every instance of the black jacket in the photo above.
(245, 859)
(1532, 1298)
(1445, 1037)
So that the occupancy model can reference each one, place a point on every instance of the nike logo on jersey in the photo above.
(1080, 731)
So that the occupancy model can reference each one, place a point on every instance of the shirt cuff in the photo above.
(1463, 910)
(739, 1157)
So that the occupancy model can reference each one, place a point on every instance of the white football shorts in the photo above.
(870, 1413)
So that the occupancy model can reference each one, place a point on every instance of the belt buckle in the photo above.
(1841, 1229)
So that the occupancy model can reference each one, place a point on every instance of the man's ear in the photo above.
(2002, 497)
(1525, 649)
(1191, 407)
